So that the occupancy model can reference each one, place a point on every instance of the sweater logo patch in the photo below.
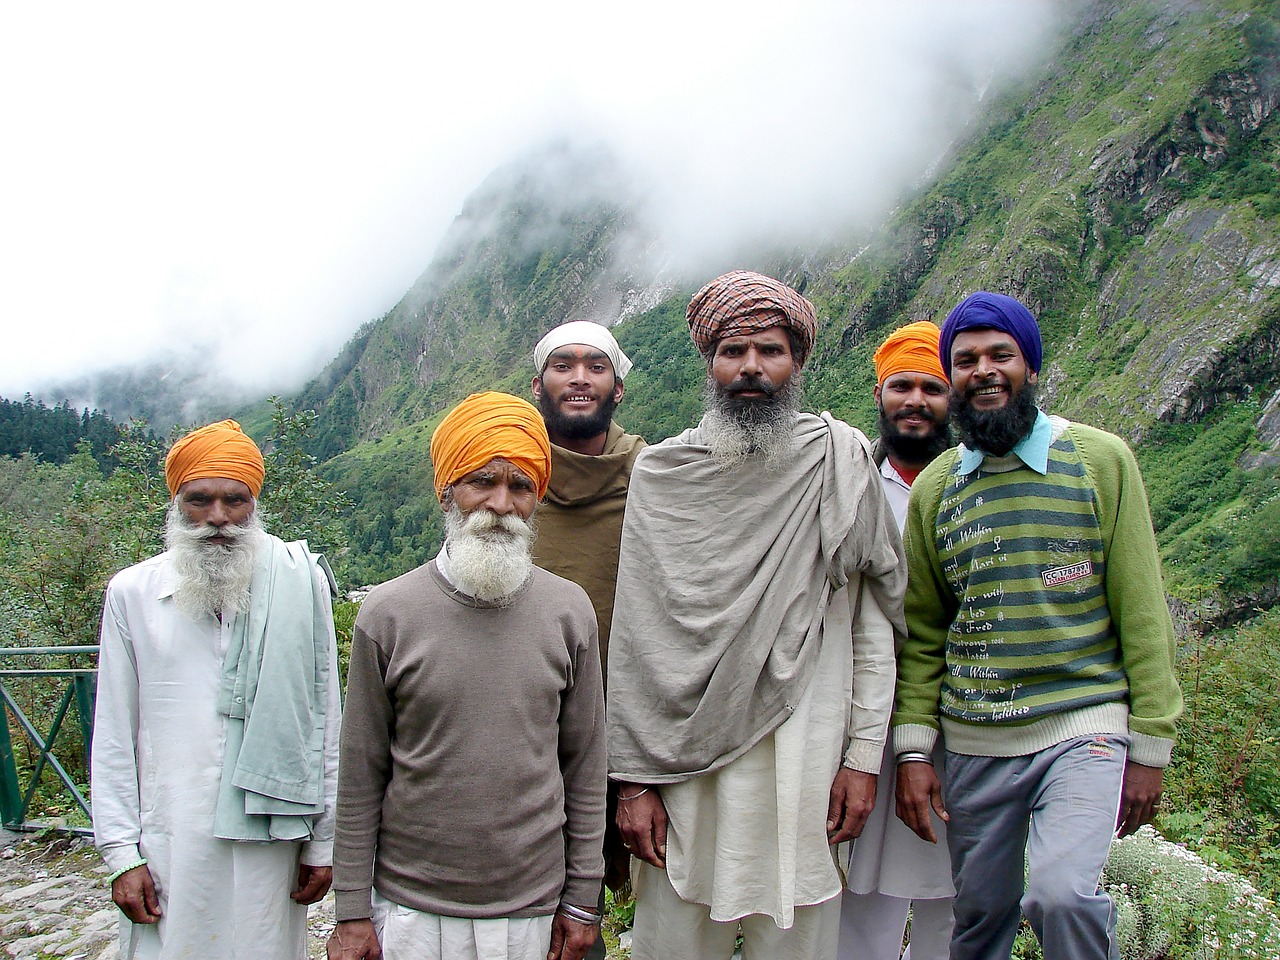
(1072, 571)
(1101, 747)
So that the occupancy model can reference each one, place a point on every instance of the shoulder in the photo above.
(1103, 453)
(393, 593)
(547, 587)
(138, 577)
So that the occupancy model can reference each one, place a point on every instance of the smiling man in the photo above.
(751, 665)
(892, 872)
(216, 733)
(471, 794)
(1040, 646)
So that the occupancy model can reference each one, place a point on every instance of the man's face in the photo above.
(987, 369)
(499, 486)
(577, 391)
(914, 404)
(754, 367)
(215, 502)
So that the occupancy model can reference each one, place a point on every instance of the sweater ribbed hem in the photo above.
(353, 904)
(1150, 751)
(1006, 740)
(914, 737)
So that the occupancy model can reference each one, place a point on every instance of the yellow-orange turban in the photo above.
(219, 450)
(488, 425)
(910, 349)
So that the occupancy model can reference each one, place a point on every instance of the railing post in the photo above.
(10, 795)
(86, 697)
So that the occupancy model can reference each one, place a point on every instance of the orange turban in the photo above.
(911, 349)
(488, 425)
(219, 450)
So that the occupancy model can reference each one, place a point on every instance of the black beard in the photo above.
(996, 431)
(915, 450)
(576, 426)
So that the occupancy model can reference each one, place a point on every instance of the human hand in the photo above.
(134, 892)
(570, 940)
(853, 795)
(920, 791)
(313, 883)
(642, 821)
(354, 940)
(1139, 797)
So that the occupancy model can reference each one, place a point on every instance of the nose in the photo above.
(500, 500)
(218, 514)
(751, 365)
(985, 367)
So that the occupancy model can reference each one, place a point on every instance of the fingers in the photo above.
(353, 940)
(918, 793)
(853, 796)
(313, 883)
(134, 892)
(642, 821)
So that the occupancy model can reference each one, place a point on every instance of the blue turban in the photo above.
(993, 311)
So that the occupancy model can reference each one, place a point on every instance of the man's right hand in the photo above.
(642, 821)
(134, 892)
(919, 791)
(354, 940)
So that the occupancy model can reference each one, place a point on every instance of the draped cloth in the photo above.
(273, 691)
(723, 582)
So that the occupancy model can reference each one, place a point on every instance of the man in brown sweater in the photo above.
(471, 783)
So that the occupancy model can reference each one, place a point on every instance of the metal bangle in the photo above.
(638, 793)
(580, 914)
(913, 756)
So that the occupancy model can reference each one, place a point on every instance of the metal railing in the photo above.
(78, 685)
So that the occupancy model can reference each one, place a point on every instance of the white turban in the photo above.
(587, 333)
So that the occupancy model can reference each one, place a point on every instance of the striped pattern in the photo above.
(1023, 553)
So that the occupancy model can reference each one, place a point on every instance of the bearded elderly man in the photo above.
(471, 794)
(892, 872)
(751, 664)
(215, 739)
(1040, 647)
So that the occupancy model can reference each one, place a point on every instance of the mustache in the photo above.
(923, 413)
(745, 383)
(207, 531)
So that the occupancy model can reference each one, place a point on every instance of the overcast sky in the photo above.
(257, 179)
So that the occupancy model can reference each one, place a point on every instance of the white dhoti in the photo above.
(408, 934)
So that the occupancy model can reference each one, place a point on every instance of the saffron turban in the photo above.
(910, 349)
(489, 425)
(221, 450)
(589, 335)
(993, 311)
(742, 303)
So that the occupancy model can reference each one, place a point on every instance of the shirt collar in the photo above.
(1033, 449)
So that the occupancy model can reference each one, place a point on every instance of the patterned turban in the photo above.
(488, 425)
(220, 450)
(910, 349)
(993, 311)
(589, 335)
(742, 303)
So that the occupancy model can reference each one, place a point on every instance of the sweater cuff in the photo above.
(353, 904)
(119, 856)
(914, 737)
(1150, 751)
(865, 756)
(317, 853)
(580, 891)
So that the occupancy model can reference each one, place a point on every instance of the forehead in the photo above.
(497, 469)
(215, 487)
(909, 379)
(770, 336)
(579, 351)
(984, 341)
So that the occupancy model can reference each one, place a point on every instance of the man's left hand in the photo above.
(853, 794)
(1139, 797)
(313, 883)
(571, 940)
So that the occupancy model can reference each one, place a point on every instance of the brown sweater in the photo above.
(472, 770)
(580, 520)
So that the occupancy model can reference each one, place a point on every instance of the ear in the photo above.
(1033, 376)
(876, 393)
(617, 390)
(536, 387)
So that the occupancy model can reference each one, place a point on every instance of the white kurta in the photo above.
(751, 838)
(157, 763)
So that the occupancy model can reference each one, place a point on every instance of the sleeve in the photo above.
(364, 769)
(117, 818)
(873, 678)
(318, 852)
(582, 765)
(1135, 596)
(930, 609)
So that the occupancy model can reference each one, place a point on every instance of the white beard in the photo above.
(490, 555)
(761, 432)
(212, 578)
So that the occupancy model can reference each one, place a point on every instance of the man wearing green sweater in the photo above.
(1040, 647)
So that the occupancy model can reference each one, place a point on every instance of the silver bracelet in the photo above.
(638, 793)
(580, 914)
(914, 756)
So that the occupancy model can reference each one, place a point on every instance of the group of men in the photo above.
(754, 590)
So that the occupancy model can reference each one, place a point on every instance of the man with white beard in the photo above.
(214, 770)
(471, 793)
(752, 655)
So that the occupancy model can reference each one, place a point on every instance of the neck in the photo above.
(587, 446)
(907, 470)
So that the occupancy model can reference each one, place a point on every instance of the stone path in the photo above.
(54, 902)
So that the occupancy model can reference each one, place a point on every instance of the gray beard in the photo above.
(490, 556)
(759, 431)
(212, 578)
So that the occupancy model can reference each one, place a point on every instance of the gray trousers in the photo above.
(1060, 805)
